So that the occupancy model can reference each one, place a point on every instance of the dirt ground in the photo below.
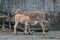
(51, 35)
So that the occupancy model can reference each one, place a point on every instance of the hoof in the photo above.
(30, 33)
(25, 33)
(43, 33)
(15, 33)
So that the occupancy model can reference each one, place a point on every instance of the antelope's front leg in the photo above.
(15, 28)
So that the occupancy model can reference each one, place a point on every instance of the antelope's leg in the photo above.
(26, 28)
(15, 28)
(29, 29)
(43, 26)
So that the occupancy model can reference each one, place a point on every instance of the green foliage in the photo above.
(4, 30)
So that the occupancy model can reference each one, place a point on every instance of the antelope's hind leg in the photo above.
(26, 28)
(29, 30)
(43, 26)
